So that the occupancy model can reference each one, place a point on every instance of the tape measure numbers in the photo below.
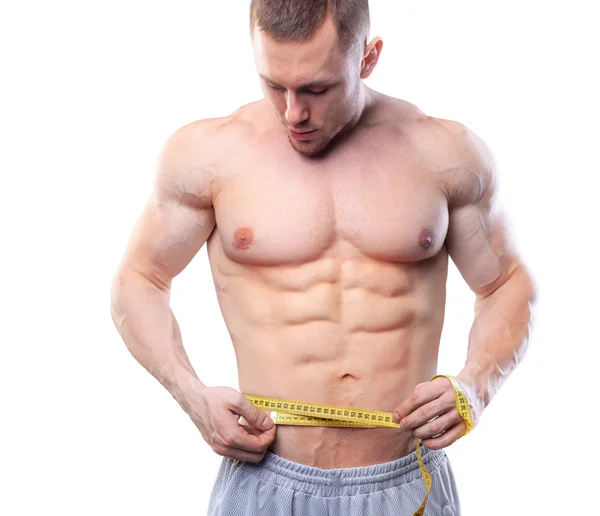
(315, 414)
(462, 403)
(299, 413)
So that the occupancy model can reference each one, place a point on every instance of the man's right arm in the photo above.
(175, 223)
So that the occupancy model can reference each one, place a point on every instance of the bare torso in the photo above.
(331, 272)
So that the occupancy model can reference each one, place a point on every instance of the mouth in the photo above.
(302, 136)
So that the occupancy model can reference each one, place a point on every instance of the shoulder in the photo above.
(461, 161)
(208, 140)
(192, 160)
(457, 159)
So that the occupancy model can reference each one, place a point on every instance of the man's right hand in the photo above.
(216, 412)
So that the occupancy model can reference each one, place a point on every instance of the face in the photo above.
(314, 88)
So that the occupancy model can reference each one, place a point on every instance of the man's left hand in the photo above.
(430, 414)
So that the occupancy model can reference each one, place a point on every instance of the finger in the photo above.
(240, 439)
(422, 394)
(254, 439)
(427, 412)
(439, 425)
(447, 438)
(246, 424)
(252, 430)
(234, 453)
(252, 414)
(266, 435)
(248, 438)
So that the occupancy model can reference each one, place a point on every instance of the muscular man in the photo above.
(329, 212)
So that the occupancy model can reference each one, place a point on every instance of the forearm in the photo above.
(143, 317)
(499, 337)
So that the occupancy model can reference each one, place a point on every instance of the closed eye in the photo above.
(309, 91)
(276, 88)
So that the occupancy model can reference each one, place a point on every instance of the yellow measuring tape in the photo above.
(299, 413)
(462, 402)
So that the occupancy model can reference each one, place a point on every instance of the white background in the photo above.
(89, 93)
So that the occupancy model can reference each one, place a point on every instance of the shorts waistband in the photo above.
(339, 481)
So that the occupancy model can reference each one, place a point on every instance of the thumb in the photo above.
(255, 416)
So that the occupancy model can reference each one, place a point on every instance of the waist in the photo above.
(332, 447)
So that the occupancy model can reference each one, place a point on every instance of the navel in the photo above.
(426, 239)
(243, 239)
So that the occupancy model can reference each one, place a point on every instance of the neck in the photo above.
(366, 100)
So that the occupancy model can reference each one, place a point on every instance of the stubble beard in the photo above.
(313, 151)
(323, 146)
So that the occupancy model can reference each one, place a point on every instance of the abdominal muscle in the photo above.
(375, 372)
(302, 337)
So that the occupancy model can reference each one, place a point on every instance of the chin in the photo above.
(311, 149)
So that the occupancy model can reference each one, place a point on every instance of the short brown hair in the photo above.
(292, 20)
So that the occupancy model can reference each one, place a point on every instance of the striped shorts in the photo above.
(279, 487)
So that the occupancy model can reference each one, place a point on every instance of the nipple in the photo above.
(243, 239)
(426, 239)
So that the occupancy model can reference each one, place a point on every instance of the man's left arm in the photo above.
(480, 246)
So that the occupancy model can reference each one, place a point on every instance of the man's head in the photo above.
(311, 56)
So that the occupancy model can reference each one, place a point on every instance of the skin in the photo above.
(329, 259)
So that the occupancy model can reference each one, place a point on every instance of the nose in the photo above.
(296, 111)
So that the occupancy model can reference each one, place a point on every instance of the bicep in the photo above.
(178, 217)
(480, 246)
(478, 240)
(167, 236)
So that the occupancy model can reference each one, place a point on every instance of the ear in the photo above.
(371, 57)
